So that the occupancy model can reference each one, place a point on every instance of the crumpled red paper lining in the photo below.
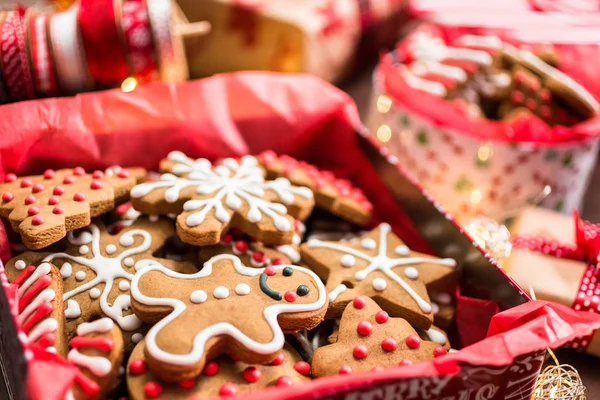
(233, 115)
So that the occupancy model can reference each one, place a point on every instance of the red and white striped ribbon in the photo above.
(16, 72)
(138, 37)
(44, 74)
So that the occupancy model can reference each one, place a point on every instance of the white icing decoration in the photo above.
(435, 309)
(98, 366)
(436, 336)
(381, 262)
(41, 270)
(131, 214)
(198, 296)
(411, 272)
(124, 285)
(136, 337)
(270, 313)
(153, 218)
(379, 284)
(101, 325)
(128, 262)
(46, 295)
(46, 326)
(402, 250)
(84, 249)
(348, 260)
(95, 293)
(443, 298)
(73, 310)
(289, 252)
(221, 292)
(339, 289)
(111, 249)
(20, 264)
(230, 184)
(242, 289)
(66, 270)
(368, 244)
(80, 275)
(107, 270)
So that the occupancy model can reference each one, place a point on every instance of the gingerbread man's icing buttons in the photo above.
(366, 341)
(211, 198)
(253, 323)
(381, 268)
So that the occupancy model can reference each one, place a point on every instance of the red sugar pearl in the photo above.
(211, 368)
(382, 317)
(26, 183)
(290, 296)
(389, 344)
(404, 363)
(360, 351)
(187, 384)
(227, 389)
(413, 341)
(252, 374)
(68, 180)
(241, 246)
(439, 351)
(10, 178)
(49, 174)
(270, 271)
(278, 360)
(57, 210)
(152, 389)
(29, 199)
(53, 200)
(284, 381)
(277, 261)
(364, 328)
(79, 171)
(58, 190)
(37, 220)
(302, 367)
(33, 210)
(97, 174)
(38, 187)
(123, 173)
(259, 256)
(7, 196)
(227, 239)
(359, 302)
(96, 185)
(137, 366)
(79, 196)
(345, 370)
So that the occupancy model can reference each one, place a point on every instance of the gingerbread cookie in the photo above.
(338, 196)
(43, 208)
(379, 266)
(221, 377)
(368, 339)
(97, 351)
(40, 307)
(225, 308)
(444, 309)
(97, 268)
(210, 199)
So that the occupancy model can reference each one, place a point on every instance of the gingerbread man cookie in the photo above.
(212, 198)
(370, 339)
(43, 208)
(337, 196)
(225, 308)
(380, 266)
(221, 377)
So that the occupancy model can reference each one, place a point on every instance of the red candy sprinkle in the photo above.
(283, 381)
(240, 246)
(211, 368)
(382, 317)
(96, 185)
(290, 296)
(79, 196)
(359, 302)
(10, 178)
(57, 210)
(302, 367)
(137, 366)
(270, 271)
(439, 351)
(38, 187)
(389, 344)
(277, 261)
(68, 180)
(152, 389)
(97, 174)
(405, 363)
(345, 370)
(26, 182)
(49, 174)
(227, 389)
(413, 341)
(259, 256)
(37, 220)
(7, 196)
(33, 210)
(360, 351)
(29, 199)
(53, 200)
(58, 190)
(252, 374)
(79, 171)
(187, 384)
(364, 328)
(278, 360)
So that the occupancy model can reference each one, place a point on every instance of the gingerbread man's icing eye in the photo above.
(302, 290)
(288, 271)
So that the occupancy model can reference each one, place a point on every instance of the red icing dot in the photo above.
(259, 257)
(152, 389)
(57, 210)
(29, 199)
(283, 381)
(360, 351)
(405, 362)
(531, 104)
(7, 196)
(413, 341)
(345, 370)
(68, 180)
(377, 369)
(33, 210)
(97, 174)
(278, 360)
(364, 328)
(79, 171)
(439, 351)
(389, 344)
(517, 96)
(123, 173)
(96, 185)
(53, 200)
(187, 384)
(227, 389)
(211, 368)
(37, 220)
(290, 296)
(277, 261)
(545, 94)
(241, 246)
(270, 271)
(58, 190)
(545, 111)
(49, 174)
(359, 302)
(302, 367)
(79, 196)
(382, 317)
(10, 178)
(137, 366)
(38, 187)
(26, 182)
(227, 239)
(252, 374)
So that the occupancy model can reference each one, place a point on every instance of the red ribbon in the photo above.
(138, 36)
(17, 75)
(586, 249)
